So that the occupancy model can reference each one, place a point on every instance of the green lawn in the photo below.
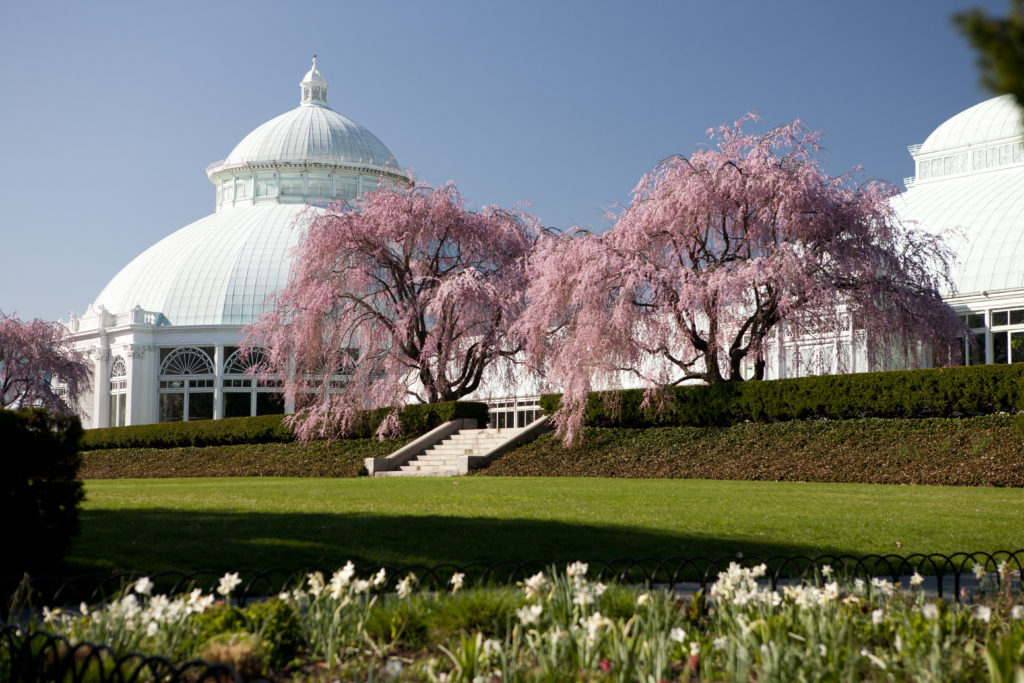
(153, 524)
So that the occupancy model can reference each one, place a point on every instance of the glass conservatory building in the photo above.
(970, 181)
(163, 335)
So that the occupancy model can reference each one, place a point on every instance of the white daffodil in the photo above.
(404, 588)
(930, 610)
(643, 599)
(143, 586)
(677, 635)
(228, 583)
(380, 577)
(533, 585)
(979, 571)
(982, 613)
(916, 580)
(456, 581)
(529, 614)
(877, 617)
(577, 569)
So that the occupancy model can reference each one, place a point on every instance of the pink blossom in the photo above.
(39, 365)
(715, 252)
(403, 296)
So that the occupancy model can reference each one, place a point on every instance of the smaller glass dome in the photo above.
(988, 121)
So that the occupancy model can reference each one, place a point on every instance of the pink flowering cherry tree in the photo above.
(406, 295)
(714, 253)
(39, 365)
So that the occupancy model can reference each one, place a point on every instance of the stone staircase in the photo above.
(441, 459)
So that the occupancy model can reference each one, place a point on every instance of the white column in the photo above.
(140, 386)
(101, 385)
(218, 381)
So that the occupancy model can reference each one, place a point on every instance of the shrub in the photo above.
(935, 392)
(415, 419)
(226, 432)
(39, 490)
(984, 450)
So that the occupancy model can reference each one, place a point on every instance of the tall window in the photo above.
(118, 393)
(186, 383)
(243, 394)
(1008, 336)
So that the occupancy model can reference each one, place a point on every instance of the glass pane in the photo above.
(237, 404)
(172, 407)
(998, 318)
(1017, 317)
(1000, 348)
(200, 406)
(113, 412)
(122, 409)
(291, 186)
(269, 404)
(1016, 347)
(977, 352)
(976, 320)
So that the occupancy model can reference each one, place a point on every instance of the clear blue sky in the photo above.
(109, 113)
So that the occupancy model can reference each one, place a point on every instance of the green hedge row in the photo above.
(985, 450)
(935, 392)
(416, 419)
(39, 489)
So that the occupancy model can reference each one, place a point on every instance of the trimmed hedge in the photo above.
(935, 392)
(39, 491)
(416, 419)
(985, 450)
(339, 458)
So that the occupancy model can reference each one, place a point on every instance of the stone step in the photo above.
(460, 450)
(400, 473)
(446, 470)
(432, 458)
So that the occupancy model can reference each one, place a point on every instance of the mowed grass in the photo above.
(154, 524)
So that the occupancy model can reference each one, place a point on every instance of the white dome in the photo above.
(220, 269)
(970, 186)
(988, 212)
(988, 121)
(216, 271)
(312, 134)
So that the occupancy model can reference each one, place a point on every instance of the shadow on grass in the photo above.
(158, 539)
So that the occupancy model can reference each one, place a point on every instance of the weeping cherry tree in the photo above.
(714, 253)
(403, 296)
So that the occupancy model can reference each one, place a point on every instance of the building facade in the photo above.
(163, 335)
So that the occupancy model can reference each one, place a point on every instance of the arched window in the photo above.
(189, 360)
(186, 383)
(244, 395)
(118, 393)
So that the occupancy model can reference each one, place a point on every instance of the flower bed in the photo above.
(555, 625)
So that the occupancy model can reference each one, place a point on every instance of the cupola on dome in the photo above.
(985, 122)
(970, 187)
(312, 133)
(221, 269)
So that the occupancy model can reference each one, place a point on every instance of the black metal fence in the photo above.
(674, 573)
(43, 656)
(39, 656)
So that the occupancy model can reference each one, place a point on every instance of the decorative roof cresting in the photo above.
(314, 87)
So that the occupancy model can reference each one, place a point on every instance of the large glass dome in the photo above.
(221, 269)
(970, 182)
